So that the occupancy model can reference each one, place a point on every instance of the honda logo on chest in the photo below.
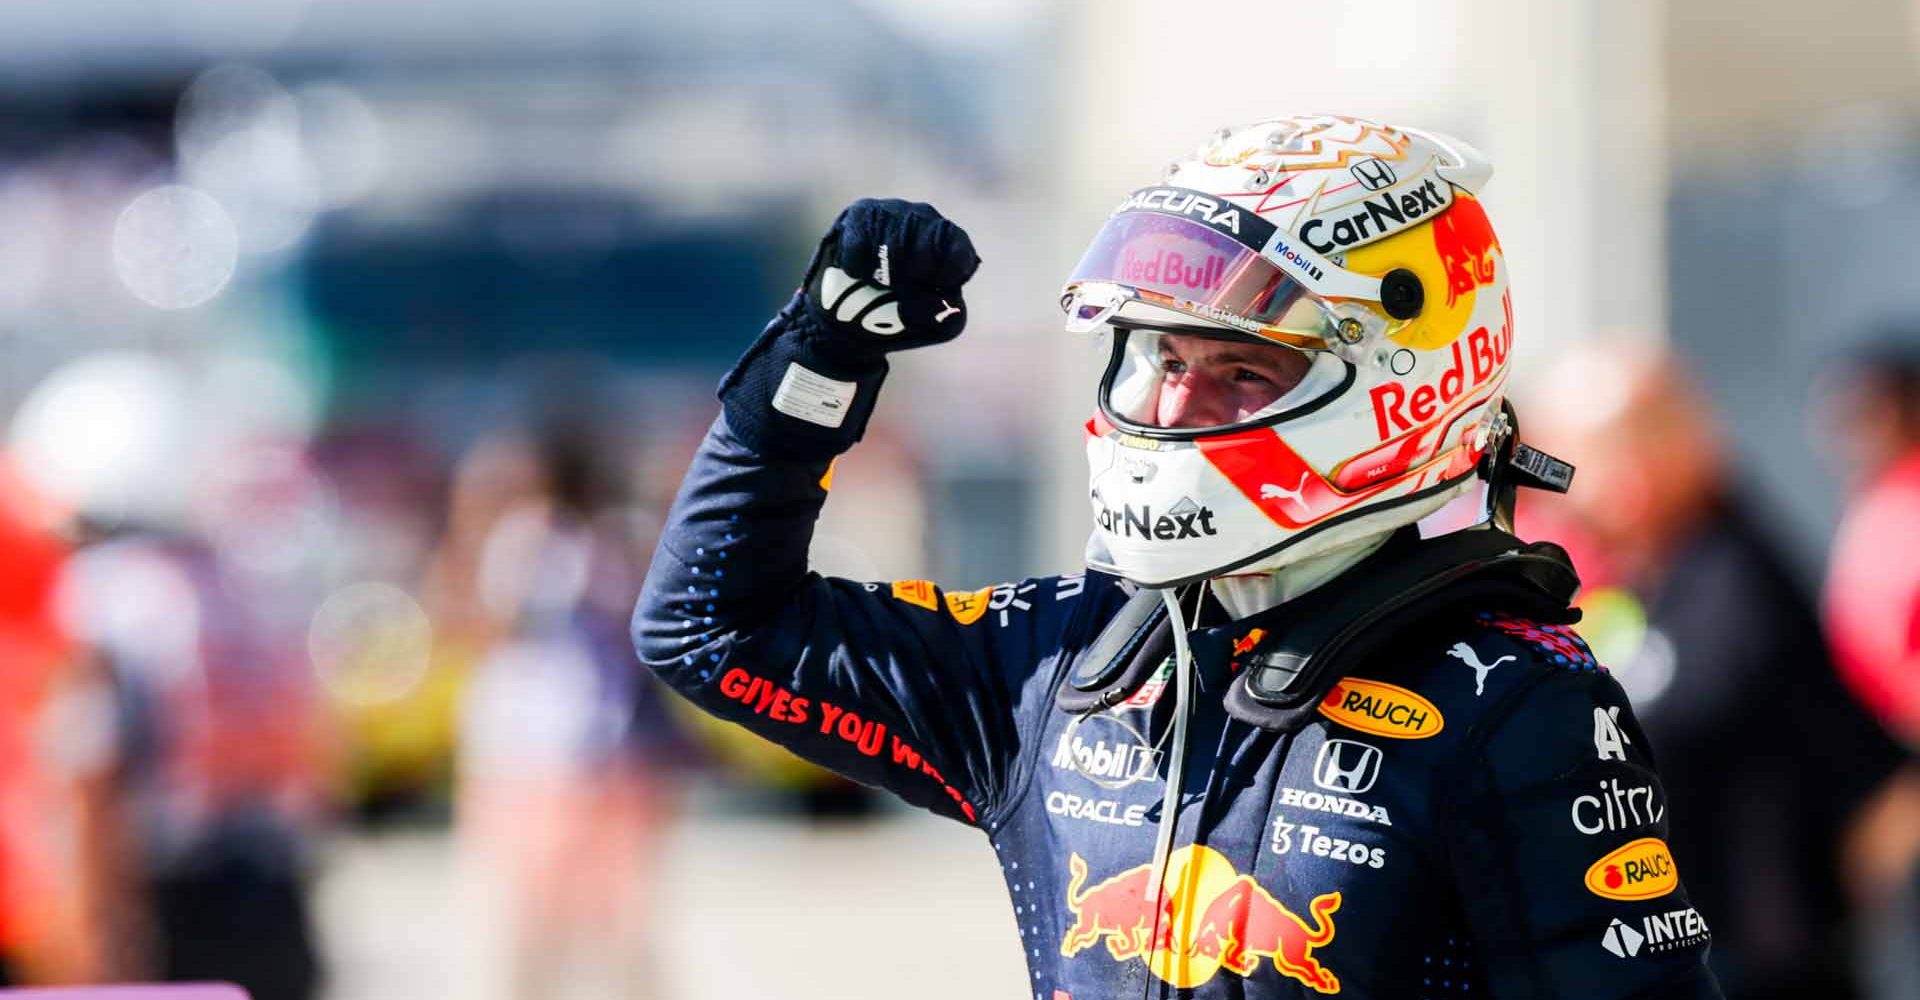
(1346, 766)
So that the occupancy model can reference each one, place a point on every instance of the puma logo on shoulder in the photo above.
(1465, 654)
(945, 311)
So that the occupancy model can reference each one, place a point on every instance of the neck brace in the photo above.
(1314, 639)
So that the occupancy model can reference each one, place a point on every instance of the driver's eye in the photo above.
(1172, 365)
(1249, 375)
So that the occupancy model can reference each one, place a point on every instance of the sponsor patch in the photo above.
(1335, 805)
(1083, 807)
(1221, 216)
(807, 395)
(1385, 212)
(1617, 807)
(1313, 842)
(1609, 742)
(1137, 442)
(1202, 920)
(1107, 752)
(916, 592)
(1656, 932)
(1642, 869)
(1185, 519)
(1467, 655)
(1381, 709)
(1151, 690)
(966, 607)
(1476, 359)
(1346, 766)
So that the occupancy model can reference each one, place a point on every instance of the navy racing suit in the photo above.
(1471, 812)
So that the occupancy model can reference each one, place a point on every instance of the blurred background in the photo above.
(350, 350)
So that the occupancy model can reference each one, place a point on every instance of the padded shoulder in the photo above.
(1474, 665)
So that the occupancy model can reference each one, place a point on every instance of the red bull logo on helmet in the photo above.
(1173, 269)
(1465, 242)
(1204, 917)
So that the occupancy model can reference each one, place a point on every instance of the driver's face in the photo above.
(1211, 383)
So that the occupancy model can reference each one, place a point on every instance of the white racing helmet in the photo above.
(1358, 245)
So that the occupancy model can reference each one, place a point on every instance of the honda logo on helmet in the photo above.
(1373, 174)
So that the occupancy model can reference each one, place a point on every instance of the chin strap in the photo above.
(1509, 464)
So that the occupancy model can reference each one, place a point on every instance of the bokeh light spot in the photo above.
(175, 247)
(370, 643)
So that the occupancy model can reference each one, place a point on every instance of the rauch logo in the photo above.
(1640, 870)
(1381, 709)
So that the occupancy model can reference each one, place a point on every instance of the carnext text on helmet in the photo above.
(1129, 521)
(1386, 214)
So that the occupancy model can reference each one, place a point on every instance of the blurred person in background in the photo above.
(1689, 598)
(201, 709)
(566, 780)
(1871, 414)
(1364, 742)
(218, 758)
(58, 878)
(1868, 408)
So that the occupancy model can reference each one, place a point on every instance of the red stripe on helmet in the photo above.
(1271, 475)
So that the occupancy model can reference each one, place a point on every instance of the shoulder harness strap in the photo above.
(1338, 627)
(1316, 638)
(1134, 641)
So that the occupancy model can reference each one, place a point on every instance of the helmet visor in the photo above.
(1181, 384)
(1189, 267)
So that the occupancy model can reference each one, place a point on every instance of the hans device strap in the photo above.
(1312, 641)
(1331, 630)
(1128, 649)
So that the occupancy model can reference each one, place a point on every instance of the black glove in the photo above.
(886, 277)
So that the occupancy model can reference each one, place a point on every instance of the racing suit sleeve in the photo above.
(903, 686)
(1556, 830)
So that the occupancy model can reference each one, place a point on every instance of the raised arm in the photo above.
(899, 685)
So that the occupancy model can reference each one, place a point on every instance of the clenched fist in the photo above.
(887, 277)
(889, 273)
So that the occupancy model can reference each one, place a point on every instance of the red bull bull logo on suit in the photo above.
(1208, 918)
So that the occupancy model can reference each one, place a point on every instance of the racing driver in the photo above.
(1271, 742)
